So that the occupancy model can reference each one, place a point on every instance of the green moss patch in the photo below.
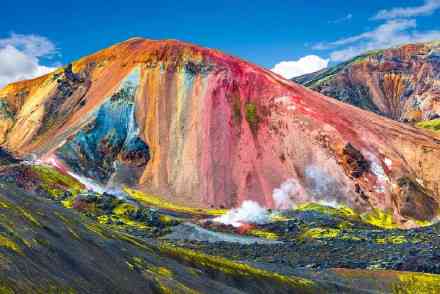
(433, 125)
(252, 116)
(55, 183)
(9, 244)
(234, 268)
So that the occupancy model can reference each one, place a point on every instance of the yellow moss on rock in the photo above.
(124, 209)
(155, 201)
(234, 268)
(341, 211)
(410, 283)
(9, 244)
(263, 234)
(53, 181)
(320, 233)
(392, 240)
(379, 219)
(433, 125)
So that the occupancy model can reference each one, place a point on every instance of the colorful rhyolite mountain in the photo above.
(401, 83)
(207, 129)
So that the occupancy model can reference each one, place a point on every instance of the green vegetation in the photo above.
(157, 202)
(416, 283)
(233, 268)
(392, 240)
(125, 209)
(252, 116)
(433, 125)
(9, 244)
(341, 211)
(320, 233)
(263, 234)
(55, 183)
(376, 217)
(380, 219)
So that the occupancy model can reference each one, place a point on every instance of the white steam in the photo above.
(284, 195)
(250, 212)
(291, 192)
(89, 183)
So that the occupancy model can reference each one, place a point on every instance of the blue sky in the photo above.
(263, 32)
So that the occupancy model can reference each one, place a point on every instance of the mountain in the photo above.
(401, 83)
(209, 130)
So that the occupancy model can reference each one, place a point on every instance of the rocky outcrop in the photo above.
(207, 129)
(401, 83)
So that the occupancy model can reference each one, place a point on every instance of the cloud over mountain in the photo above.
(304, 65)
(21, 57)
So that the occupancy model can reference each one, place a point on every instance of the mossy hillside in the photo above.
(265, 234)
(56, 183)
(7, 243)
(237, 269)
(341, 211)
(375, 217)
(344, 223)
(34, 245)
(396, 282)
(381, 219)
(157, 202)
(416, 283)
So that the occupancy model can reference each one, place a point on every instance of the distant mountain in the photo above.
(207, 129)
(401, 83)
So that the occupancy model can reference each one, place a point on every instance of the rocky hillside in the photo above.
(58, 237)
(401, 83)
(207, 129)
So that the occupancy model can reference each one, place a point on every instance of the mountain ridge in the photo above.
(399, 82)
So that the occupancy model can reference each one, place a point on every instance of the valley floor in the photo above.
(57, 237)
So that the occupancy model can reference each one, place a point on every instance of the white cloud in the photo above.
(342, 19)
(304, 65)
(388, 34)
(20, 57)
(399, 27)
(429, 7)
